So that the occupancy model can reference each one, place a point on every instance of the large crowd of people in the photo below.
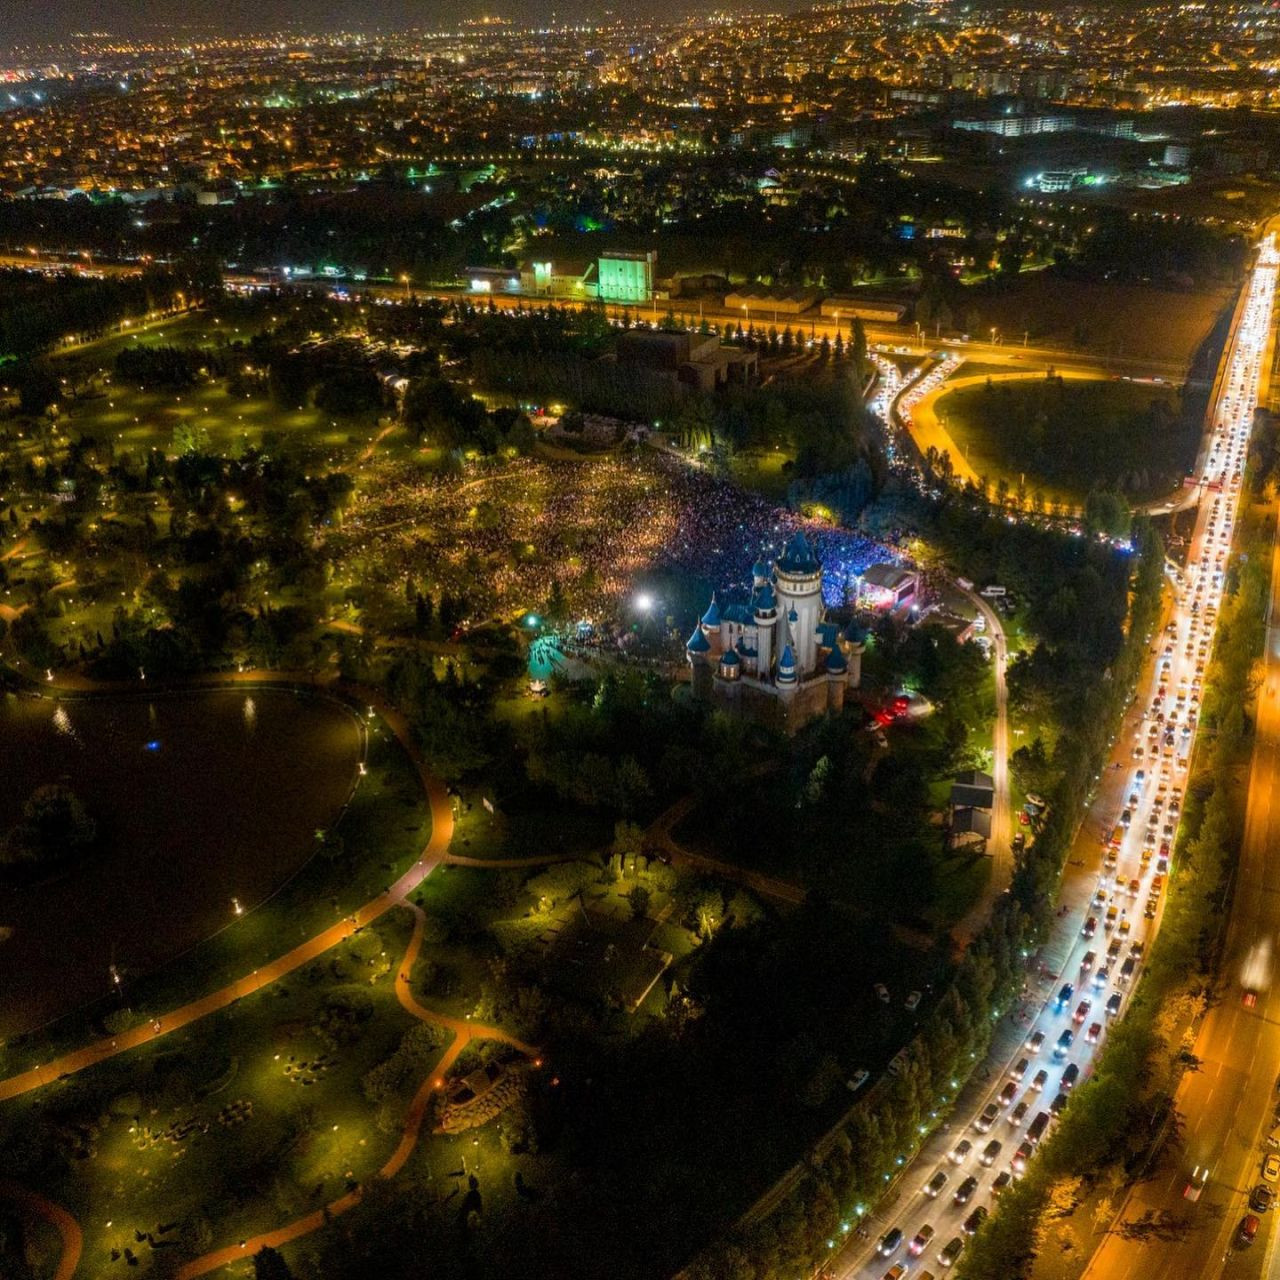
(518, 533)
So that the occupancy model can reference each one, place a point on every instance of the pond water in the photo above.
(199, 798)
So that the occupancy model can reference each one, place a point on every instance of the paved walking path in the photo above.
(463, 1031)
(431, 856)
(57, 1217)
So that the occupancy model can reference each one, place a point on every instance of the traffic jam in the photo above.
(955, 1183)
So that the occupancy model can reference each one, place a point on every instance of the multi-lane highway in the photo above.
(1228, 1104)
(1098, 947)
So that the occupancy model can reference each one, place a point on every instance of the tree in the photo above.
(269, 1264)
(639, 899)
(54, 828)
(628, 839)
(858, 350)
(37, 388)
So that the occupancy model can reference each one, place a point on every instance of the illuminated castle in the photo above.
(776, 644)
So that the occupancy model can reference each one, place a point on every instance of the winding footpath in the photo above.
(36, 1206)
(463, 1033)
(1000, 845)
(433, 853)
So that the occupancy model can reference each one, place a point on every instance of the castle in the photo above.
(776, 645)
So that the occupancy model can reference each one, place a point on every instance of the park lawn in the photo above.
(141, 420)
(1105, 317)
(383, 829)
(762, 472)
(263, 1147)
(1063, 438)
(960, 879)
(529, 824)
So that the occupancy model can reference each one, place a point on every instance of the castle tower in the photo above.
(837, 680)
(714, 627)
(728, 675)
(698, 651)
(786, 680)
(798, 579)
(856, 649)
(766, 614)
(759, 573)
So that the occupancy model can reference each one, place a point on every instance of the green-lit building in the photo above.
(626, 277)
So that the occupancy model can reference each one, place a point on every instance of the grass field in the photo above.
(1063, 438)
(1109, 319)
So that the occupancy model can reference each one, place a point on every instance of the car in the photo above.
(912, 1002)
(1112, 913)
(857, 1080)
(960, 1151)
(1126, 970)
(1008, 1093)
(1019, 1113)
(1059, 1103)
(889, 1242)
(1070, 1075)
(1089, 928)
(1094, 1034)
(964, 1192)
(1003, 1178)
(954, 1248)
(1086, 961)
(975, 1220)
(1064, 1043)
(1262, 1198)
(990, 1152)
(1082, 1011)
(1113, 948)
(1249, 998)
(1102, 976)
(1134, 885)
(1039, 1080)
(1020, 1068)
(1064, 996)
(1034, 1041)
(933, 1188)
(920, 1241)
(882, 992)
(1271, 1167)
(1247, 1231)
(896, 1272)
(1020, 1157)
(988, 1117)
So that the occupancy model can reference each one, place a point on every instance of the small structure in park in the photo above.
(479, 1097)
(887, 586)
(973, 796)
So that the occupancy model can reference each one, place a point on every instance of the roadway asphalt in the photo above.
(1228, 1103)
(1000, 846)
(1089, 946)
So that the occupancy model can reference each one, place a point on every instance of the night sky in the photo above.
(52, 19)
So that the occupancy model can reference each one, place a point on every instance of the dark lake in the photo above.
(199, 798)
